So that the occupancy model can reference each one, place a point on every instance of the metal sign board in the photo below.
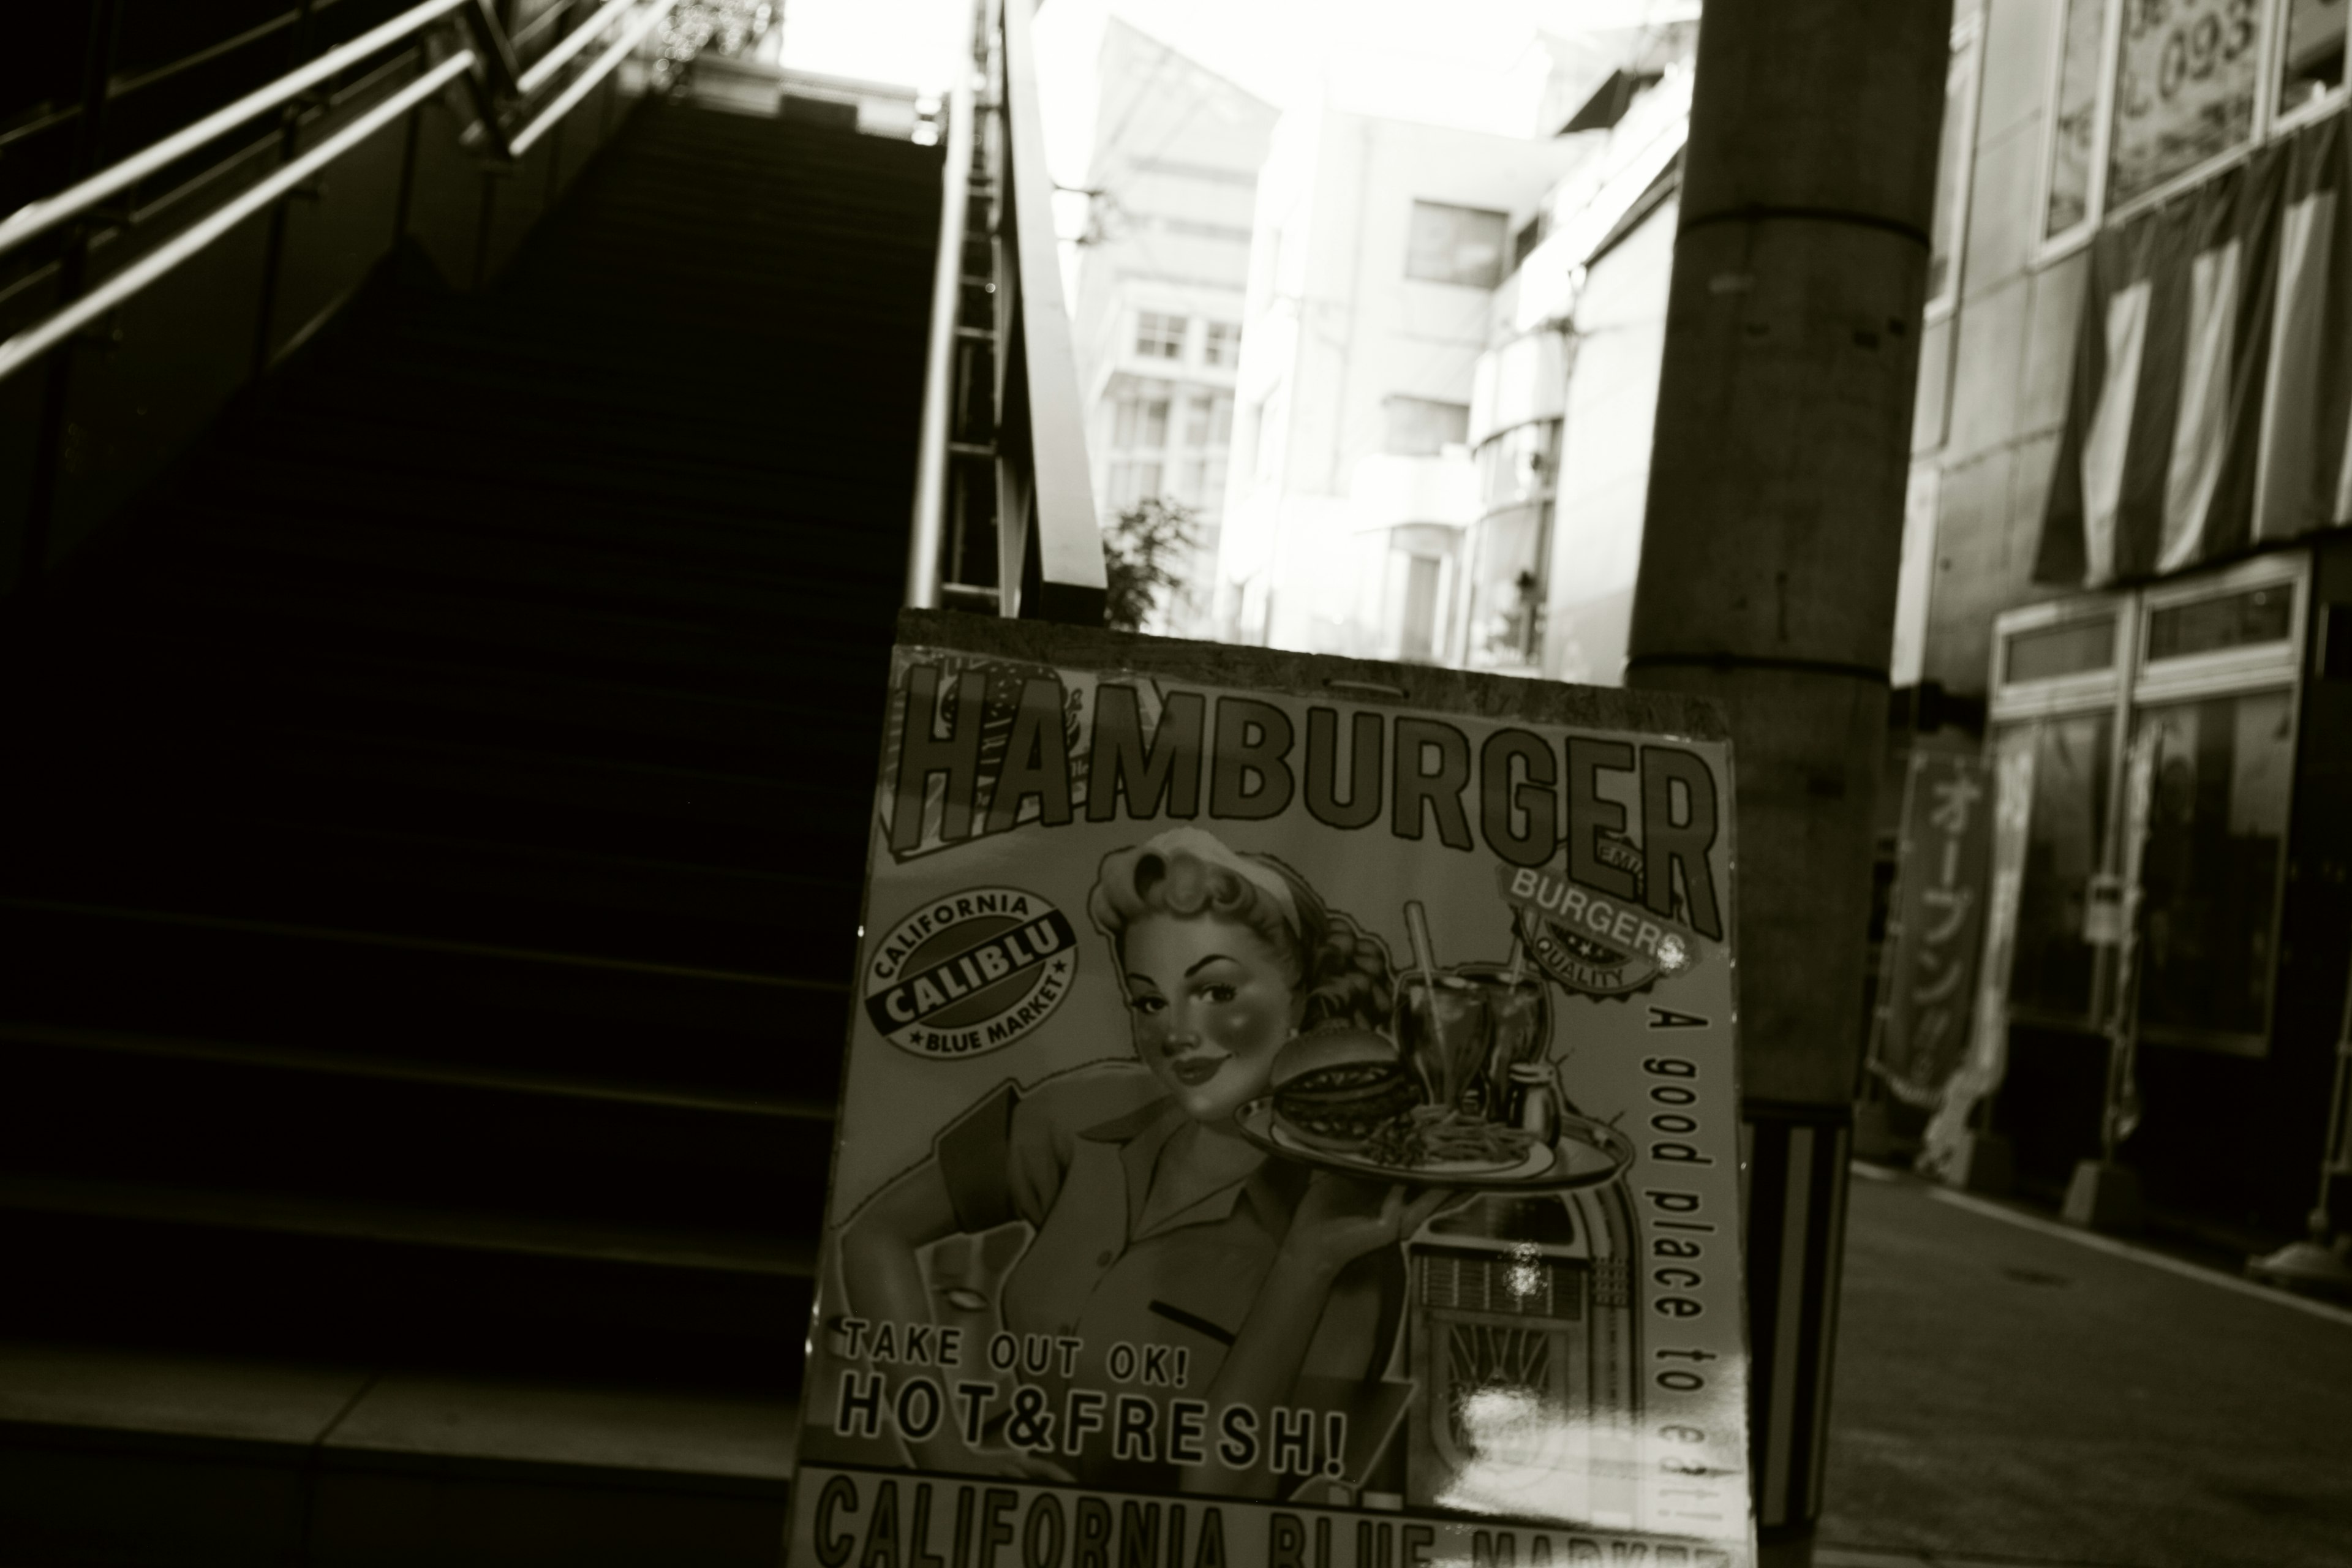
(1289, 1121)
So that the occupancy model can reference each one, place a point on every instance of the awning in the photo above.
(2212, 375)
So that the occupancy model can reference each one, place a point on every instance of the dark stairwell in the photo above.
(435, 830)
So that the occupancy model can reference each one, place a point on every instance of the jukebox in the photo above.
(1522, 1346)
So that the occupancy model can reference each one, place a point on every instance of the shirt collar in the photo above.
(1142, 1132)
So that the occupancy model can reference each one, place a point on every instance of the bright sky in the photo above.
(1466, 63)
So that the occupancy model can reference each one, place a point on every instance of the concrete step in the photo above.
(114, 1456)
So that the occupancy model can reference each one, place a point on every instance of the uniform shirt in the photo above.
(1075, 1158)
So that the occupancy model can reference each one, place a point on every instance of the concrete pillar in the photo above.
(1769, 557)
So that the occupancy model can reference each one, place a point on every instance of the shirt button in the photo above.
(1104, 1256)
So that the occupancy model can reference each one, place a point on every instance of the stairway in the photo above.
(434, 846)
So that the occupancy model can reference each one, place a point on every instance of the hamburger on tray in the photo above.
(1348, 1091)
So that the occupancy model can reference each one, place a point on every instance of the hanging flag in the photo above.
(2303, 482)
(2156, 471)
(1929, 980)
(1988, 1058)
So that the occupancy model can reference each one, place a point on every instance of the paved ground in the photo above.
(2012, 1392)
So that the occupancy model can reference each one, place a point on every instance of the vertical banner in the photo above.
(1988, 1058)
(1290, 1121)
(1937, 931)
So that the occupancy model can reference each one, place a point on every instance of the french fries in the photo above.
(1438, 1134)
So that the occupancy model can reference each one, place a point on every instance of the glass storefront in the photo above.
(2209, 881)
(2065, 843)
(2204, 671)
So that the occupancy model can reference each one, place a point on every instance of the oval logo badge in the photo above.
(970, 974)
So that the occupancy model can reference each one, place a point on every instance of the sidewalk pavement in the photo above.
(2011, 1392)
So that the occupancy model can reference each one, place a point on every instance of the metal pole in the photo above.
(289, 142)
(1774, 524)
(939, 355)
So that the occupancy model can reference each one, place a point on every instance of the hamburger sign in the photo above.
(1289, 1121)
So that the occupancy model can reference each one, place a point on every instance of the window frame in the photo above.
(2097, 215)
(2127, 686)
(1221, 344)
(1389, 405)
(1501, 249)
(2274, 61)
(1183, 336)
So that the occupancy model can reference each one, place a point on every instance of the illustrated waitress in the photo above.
(1154, 1222)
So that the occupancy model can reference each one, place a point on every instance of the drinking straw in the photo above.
(1417, 930)
(1518, 961)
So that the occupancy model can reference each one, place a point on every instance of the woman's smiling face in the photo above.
(1211, 1003)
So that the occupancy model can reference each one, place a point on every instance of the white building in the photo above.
(1162, 273)
(1379, 247)
(1568, 391)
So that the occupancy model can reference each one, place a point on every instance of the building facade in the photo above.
(2132, 422)
(1163, 269)
(2127, 559)
(1379, 245)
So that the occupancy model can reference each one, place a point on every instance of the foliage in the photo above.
(1144, 549)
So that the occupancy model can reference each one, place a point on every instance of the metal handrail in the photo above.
(571, 44)
(36, 217)
(938, 354)
(1049, 549)
(39, 218)
(587, 80)
(38, 339)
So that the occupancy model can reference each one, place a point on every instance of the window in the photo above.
(1142, 421)
(1417, 631)
(2066, 838)
(1132, 483)
(1517, 465)
(1504, 616)
(1419, 427)
(2199, 677)
(1949, 222)
(1158, 336)
(2249, 619)
(2074, 123)
(2078, 647)
(2310, 55)
(1221, 344)
(2209, 873)
(2150, 93)
(1201, 482)
(2184, 90)
(1456, 245)
(1208, 419)
(1143, 417)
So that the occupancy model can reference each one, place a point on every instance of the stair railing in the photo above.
(1003, 431)
(452, 43)
(488, 68)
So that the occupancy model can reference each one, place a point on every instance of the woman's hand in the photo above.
(1341, 1218)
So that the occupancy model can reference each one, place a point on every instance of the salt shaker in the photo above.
(1534, 1104)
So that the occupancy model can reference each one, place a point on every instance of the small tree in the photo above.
(1143, 549)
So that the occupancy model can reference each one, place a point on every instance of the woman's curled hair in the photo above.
(1342, 968)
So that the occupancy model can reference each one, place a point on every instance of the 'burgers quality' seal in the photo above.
(970, 974)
